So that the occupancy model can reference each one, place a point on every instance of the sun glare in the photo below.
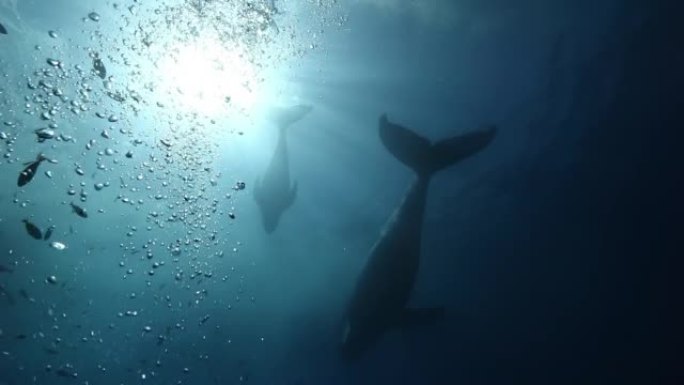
(207, 77)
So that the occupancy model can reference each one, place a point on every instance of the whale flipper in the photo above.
(256, 191)
(412, 317)
(293, 194)
(285, 117)
(426, 158)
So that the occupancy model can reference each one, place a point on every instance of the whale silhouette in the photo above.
(382, 291)
(274, 192)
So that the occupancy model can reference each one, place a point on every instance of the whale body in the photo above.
(382, 291)
(274, 192)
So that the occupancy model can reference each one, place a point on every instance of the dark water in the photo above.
(555, 251)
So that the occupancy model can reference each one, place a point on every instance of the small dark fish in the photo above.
(80, 211)
(99, 67)
(5, 269)
(48, 233)
(30, 171)
(21, 336)
(204, 319)
(25, 295)
(3, 30)
(62, 372)
(32, 229)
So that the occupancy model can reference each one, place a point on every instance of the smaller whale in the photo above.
(29, 172)
(274, 192)
(382, 291)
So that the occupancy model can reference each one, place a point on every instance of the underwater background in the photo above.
(555, 251)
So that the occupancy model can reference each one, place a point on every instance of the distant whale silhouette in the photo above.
(379, 299)
(274, 192)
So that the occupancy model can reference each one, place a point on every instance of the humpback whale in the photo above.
(273, 192)
(379, 299)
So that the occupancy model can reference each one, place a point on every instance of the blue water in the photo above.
(554, 250)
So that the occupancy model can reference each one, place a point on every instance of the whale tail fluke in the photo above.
(424, 157)
(285, 117)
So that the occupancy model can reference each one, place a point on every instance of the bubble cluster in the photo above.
(129, 186)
